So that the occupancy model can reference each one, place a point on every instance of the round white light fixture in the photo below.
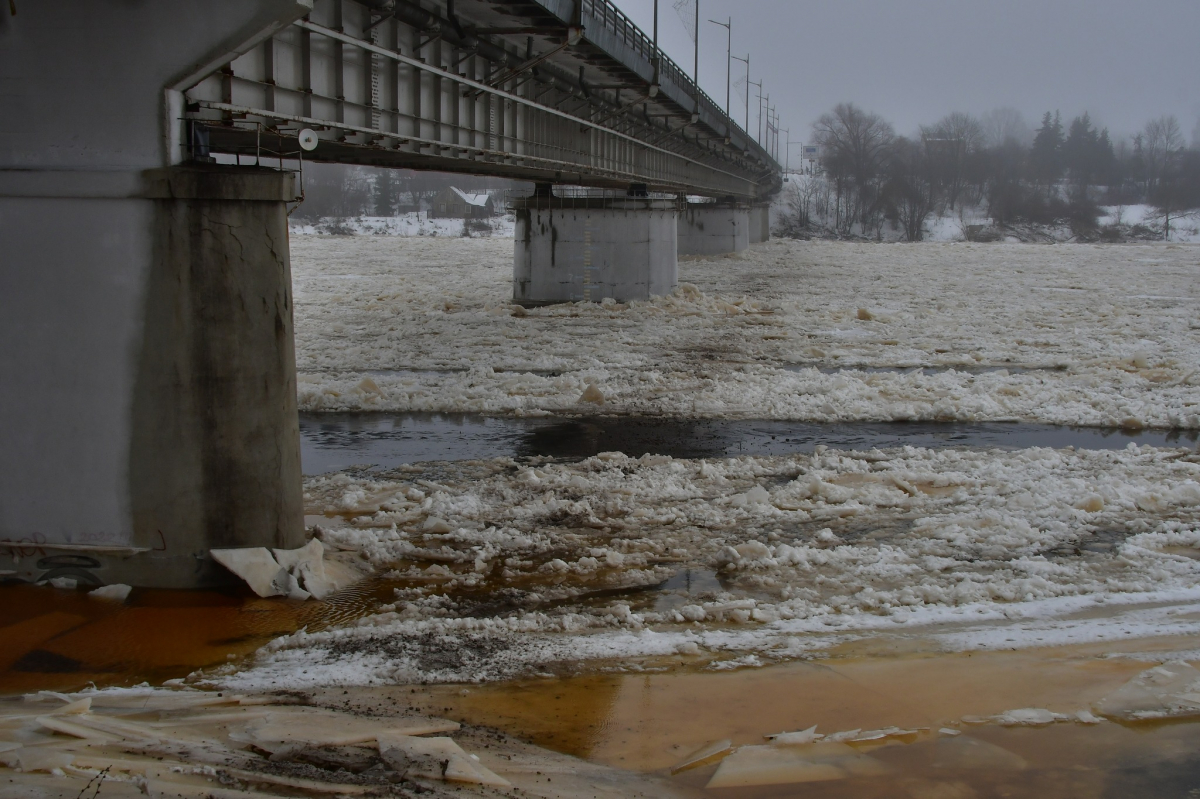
(308, 140)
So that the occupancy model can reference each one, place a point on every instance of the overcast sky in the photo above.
(913, 61)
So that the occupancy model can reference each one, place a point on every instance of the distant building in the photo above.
(452, 203)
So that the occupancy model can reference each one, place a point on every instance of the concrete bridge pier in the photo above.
(590, 249)
(147, 373)
(760, 223)
(148, 405)
(713, 228)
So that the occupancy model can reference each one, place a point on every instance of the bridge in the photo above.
(148, 402)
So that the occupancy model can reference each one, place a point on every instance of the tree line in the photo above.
(338, 191)
(869, 176)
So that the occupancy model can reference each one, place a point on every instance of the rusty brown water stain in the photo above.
(62, 640)
(647, 722)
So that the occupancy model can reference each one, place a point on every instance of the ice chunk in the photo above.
(704, 755)
(755, 496)
(257, 567)
(1086, 717)
(727, 558)
(875, 737)
(324, 728)
(436, 758)
(311, 554)
(368, 387)
(65, 583)
(1028, 717)
(40, 758)
(776, 765)
(753, 550)
(74, 708)
(435, 524)
(801, 737)
(592, 394)
(964, 752)
(1165, 690)
(1092, 503)
(117, 592)
(307, 566)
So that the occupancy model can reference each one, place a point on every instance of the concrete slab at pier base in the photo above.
(713, 229)
(588, 250)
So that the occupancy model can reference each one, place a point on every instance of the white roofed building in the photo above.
(453, 203)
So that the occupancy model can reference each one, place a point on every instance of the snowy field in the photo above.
(1069, 334)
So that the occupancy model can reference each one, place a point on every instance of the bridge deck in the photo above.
(562, 91)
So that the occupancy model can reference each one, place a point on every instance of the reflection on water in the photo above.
(648, 721)
(335, 441)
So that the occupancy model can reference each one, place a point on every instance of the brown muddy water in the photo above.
(648, 722)
(52, 639)
(647, 716)
(651, 718)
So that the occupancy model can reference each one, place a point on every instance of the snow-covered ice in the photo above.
(504, 568)
(1069, 334)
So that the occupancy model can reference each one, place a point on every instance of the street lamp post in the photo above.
(758, 138)
(728, 26)
(747, 60)
(696, 59)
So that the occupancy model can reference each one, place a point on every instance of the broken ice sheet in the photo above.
(1028, 717)
(435, 758)
(257, 567)
(777, 765)
(706, 754)
(963, 752)
(1171, 689)
(799, 737)
(318, 727)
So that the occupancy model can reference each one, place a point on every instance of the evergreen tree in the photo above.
(1081, 153)
(1106, 160)
(385, 193)
(1046, 155)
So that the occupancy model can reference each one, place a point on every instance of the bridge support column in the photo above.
(760, 223)
(586, 250)
(713, 229)
(148, 400)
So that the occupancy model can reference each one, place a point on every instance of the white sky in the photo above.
(912, 61)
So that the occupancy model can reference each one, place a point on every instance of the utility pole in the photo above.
(695, 57)
(747, 60)
(656, 58)
(758, 138)
(728, 26)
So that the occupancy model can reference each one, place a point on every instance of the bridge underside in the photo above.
(559, 91)
(148, 406)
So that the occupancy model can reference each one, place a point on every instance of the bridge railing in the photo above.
(615, 21)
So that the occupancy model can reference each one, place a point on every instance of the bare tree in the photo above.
(948, 144)
(855, 147)
(1161, 142)
(909, 189)
(1005, 126)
